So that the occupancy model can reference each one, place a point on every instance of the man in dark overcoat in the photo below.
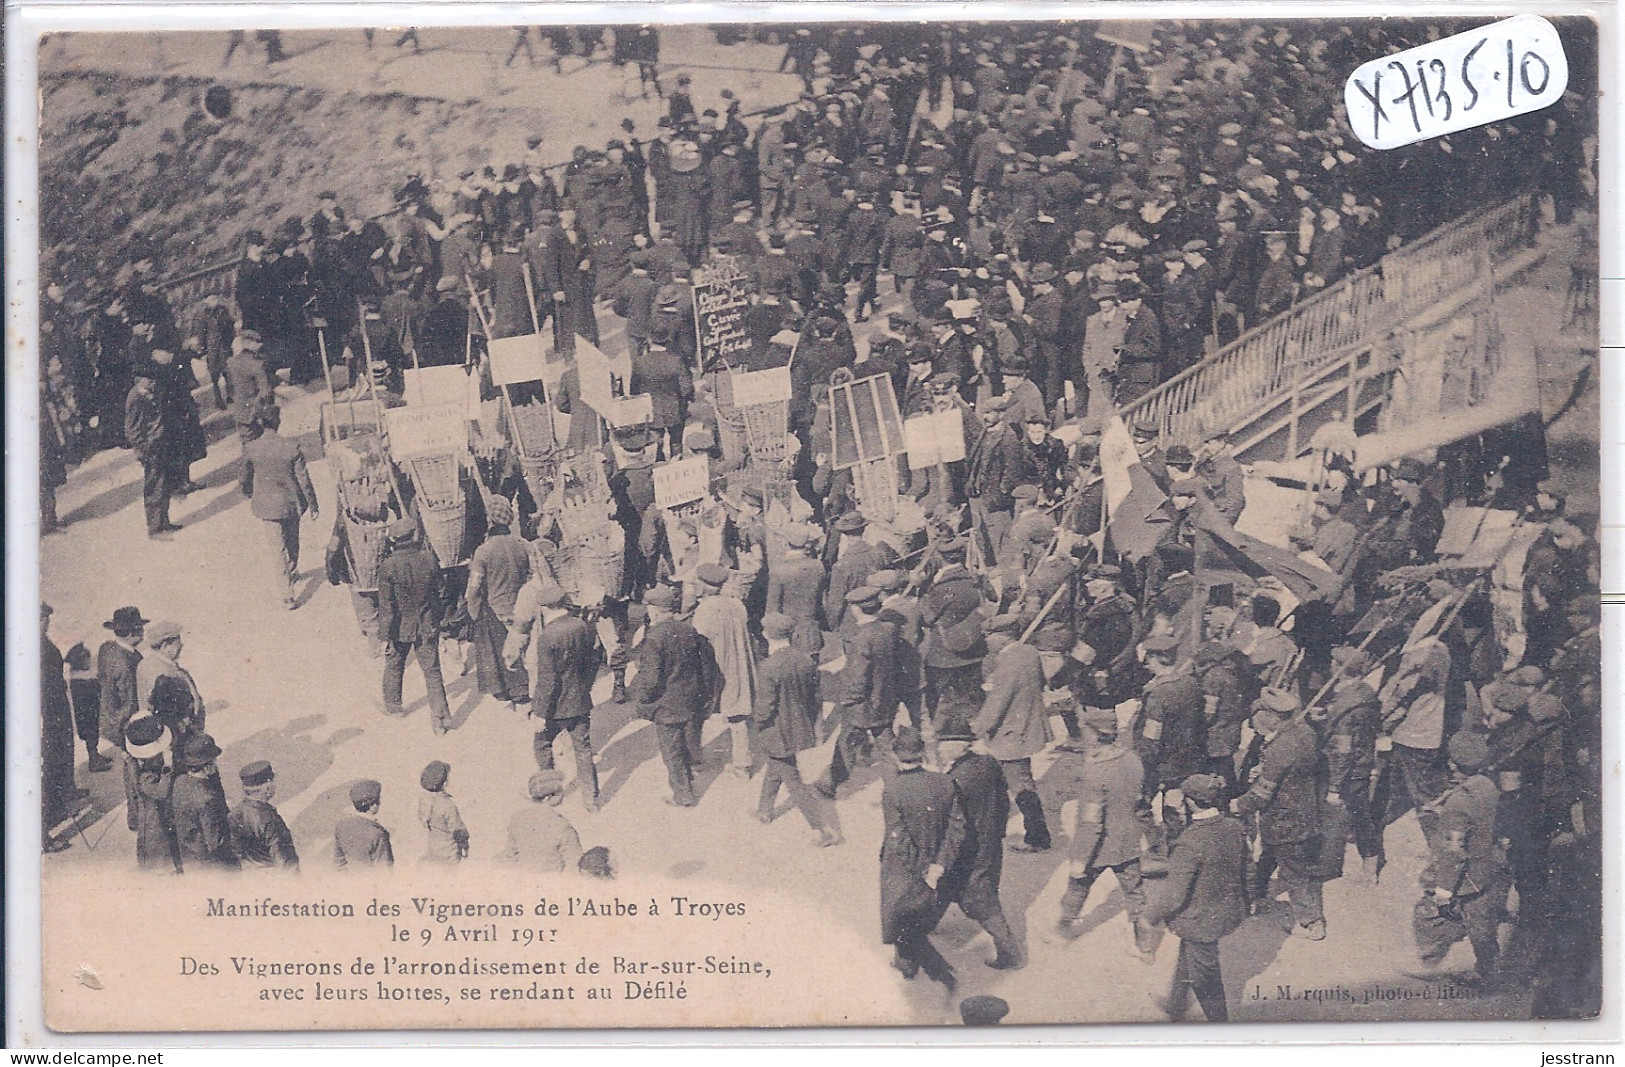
(409, 617)
(785, 714)
(925, 832)
(678, 684)
(972, 880)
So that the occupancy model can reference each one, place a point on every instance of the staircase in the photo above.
(1335, 356)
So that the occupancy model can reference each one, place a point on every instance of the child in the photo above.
(156, 847)
(358, 839)
(448, 837)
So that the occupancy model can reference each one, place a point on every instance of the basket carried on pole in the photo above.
(592, 546)
(367, 501)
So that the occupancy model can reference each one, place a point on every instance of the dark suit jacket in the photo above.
(986, 799)
(567, 659)
(871, 681)
(260, 837)
(408, 596)
(360, 841)
(952, 598)
(786, 703)
(202, 824)
(678, 678)
(121, 699)
(660, 373)
(275, 478)
(1205, 894)
(1287, 792)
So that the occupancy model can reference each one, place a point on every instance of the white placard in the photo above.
(1472, 79)
(518, 359)
(427, 430)
(434, 386)
(937, 437)
(595, 371)
(761, 386)
(630, 410)
(682, 481)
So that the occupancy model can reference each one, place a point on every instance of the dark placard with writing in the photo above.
(720, 304)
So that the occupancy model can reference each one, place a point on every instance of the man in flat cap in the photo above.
(567, 659)
(409, 618)
(358, 839)
(258, 835)
(795, 587)
(983, 1010)
(497, 572)
(1286, 795)
(277, 483)
(785, 717)
(855, 560)
(540, 838)
(1204, 897)
(1013, 723)
(677, 685)
(868, 688)
(925, 831)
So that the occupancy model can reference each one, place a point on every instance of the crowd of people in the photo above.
(1064, 223)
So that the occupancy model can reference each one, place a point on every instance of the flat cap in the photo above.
(908, 746)
(544, 784)
(888, 581)
(1204, 790)
(196, 752)
(863, 594)
(365, 793)
(1468, 751)
(1160, 644)
(983, 1010)
(712, 574)
(661, 596)
(257, 773)
(851, 522)
(434, 775)
(1277, 702)
(778, 625)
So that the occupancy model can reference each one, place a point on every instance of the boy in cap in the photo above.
(437, 812)
(785, 716)
(258, 835)
(358, 839)
(1204, 897)
(202, 820)
(1464, 886)
(925, 831)
(540, 838)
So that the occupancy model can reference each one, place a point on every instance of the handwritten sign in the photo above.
(519, 359)
(761, 387)
(1472, 79)
(682, 481)
(433, 386)
(720, 304)
(423, 431)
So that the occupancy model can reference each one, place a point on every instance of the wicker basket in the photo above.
(366, 547)
(443, 505)
(447, 533)
(591, 568)
(532, 427)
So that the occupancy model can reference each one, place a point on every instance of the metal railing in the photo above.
(1260, 369)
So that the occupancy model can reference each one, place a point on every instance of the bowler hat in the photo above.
(852, 522)
(908, 745)
(956, 733)
(197, 752)
(1179, 456)
(126, 618)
